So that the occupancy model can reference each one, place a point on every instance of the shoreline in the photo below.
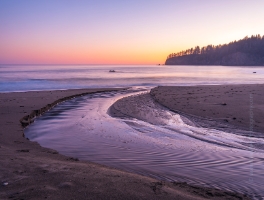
(30, 118)
(35, 172)
(227, 105)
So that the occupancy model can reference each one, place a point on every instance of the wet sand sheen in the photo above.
(35, 172)
(229, 167)
(136, 147)
(227, 104)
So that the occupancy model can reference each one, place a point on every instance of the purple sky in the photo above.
(119, 32)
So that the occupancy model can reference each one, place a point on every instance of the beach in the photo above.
(29, 171)
(135, 100)
(229, 105)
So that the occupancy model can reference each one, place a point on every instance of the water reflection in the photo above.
(82, 128)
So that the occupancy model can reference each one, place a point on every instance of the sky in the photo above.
(119, 31)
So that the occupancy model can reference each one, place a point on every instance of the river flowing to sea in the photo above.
(82, 128)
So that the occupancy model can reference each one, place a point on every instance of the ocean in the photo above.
(18, 78)
(82, 128)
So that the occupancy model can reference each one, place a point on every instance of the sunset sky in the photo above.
(119, 31)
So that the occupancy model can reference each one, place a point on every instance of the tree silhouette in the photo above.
(251, 48)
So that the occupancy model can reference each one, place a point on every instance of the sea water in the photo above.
(53, 77)
(174, 152)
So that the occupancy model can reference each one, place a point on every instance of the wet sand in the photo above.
(238, 106)
(29, 171)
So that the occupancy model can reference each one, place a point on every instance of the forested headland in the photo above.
(248, 51)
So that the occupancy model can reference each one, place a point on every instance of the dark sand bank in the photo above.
(230, 105)
(29, 171)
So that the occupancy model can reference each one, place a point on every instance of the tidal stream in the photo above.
(171, 150)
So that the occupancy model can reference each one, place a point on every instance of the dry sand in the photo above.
(29, 171)
(229, 105)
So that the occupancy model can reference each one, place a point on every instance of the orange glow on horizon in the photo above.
(44, 55)
(87, 32)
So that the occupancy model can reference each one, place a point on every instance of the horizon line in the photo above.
(77, 64)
